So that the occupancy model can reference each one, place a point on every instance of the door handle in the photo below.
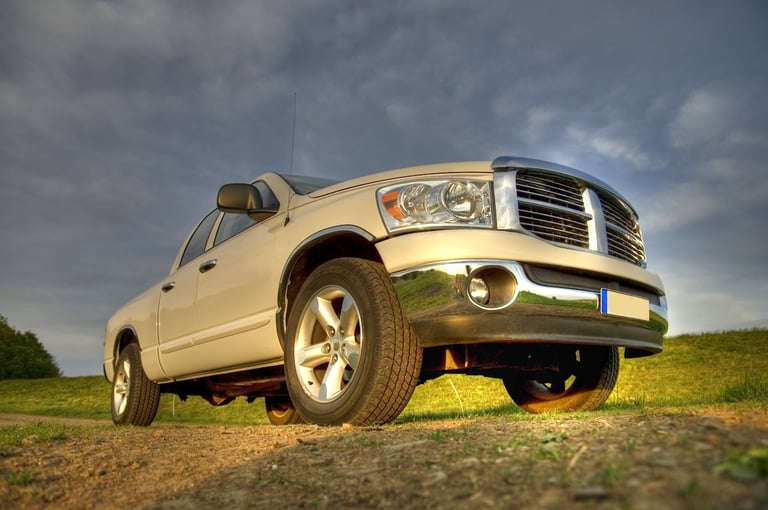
(168, 286)
(208, 265)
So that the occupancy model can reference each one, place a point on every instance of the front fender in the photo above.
(136, 319)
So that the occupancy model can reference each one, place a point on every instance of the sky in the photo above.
(119, 120)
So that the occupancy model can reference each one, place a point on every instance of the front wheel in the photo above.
(134, 397)
(350, 355)
(587, 377)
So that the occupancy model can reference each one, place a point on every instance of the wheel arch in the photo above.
(342, 241)
(126, 336)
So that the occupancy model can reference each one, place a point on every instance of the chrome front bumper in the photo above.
(447, 304)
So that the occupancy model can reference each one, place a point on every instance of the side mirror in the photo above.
(242, 199)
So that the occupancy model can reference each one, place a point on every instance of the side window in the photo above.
(233, 224)
(196, 244)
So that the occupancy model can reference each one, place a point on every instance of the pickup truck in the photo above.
(333, 300)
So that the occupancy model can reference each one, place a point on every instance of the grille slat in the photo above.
(550, 189)
(551, 206)
(625, 247)
(550, 195)
(616, 213)
(559, 228)
(625, 240)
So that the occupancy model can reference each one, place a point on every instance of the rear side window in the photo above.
(196, 245)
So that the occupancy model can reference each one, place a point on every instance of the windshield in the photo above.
(303, 184)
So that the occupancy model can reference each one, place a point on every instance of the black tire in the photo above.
(134, 397)
(281, 411)
(583, 388)
(356, 365)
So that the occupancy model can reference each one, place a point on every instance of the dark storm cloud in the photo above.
(118, 121)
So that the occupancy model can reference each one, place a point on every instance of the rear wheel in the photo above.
(134, 397)
(281, 411)
(351, 356)
(586, 379)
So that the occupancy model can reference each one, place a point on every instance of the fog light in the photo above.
(479, 292)
(491, 287)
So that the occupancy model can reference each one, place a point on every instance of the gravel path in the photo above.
(634, 461)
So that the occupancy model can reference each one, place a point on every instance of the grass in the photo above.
(20, 479)
(748, 465)
(693, 370)
(747, 390)
(14, 435)
(703, 369)
(88, 397)
(77, 397)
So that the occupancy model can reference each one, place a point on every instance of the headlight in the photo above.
(455, 202)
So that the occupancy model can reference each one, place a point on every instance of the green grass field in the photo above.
(693, 370)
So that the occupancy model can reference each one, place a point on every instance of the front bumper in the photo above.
(527, 304)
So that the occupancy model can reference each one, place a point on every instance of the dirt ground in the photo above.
(637, 460)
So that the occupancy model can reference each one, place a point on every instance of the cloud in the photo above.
(541, 117)
(704, 118)
(118, 121)
(708, 214)
(612, 147)
(720, 118)
(719, 142)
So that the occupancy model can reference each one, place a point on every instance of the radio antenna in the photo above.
(290, 164)
(293, 134)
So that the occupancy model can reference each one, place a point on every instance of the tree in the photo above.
(22, 356)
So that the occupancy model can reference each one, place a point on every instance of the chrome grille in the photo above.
(625, 247)
(552, 207)
(549, 189)
(616, 213)
(625, 240)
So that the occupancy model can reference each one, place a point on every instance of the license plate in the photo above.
(623, 305)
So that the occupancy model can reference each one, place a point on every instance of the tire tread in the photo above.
(143, 394)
